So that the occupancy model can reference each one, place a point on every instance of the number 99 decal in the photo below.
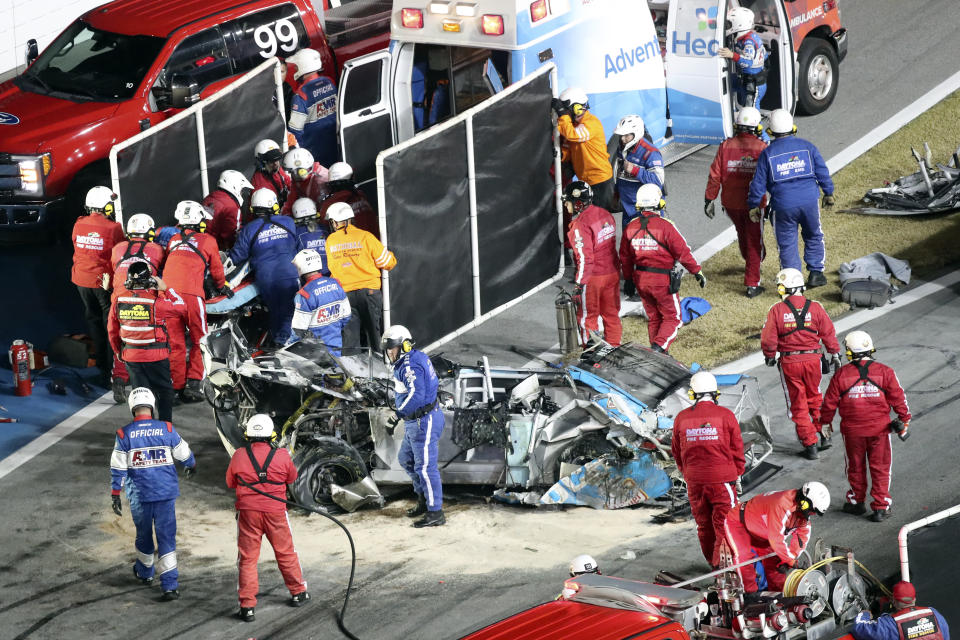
(282, 33)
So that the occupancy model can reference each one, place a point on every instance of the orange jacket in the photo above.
(774, 517)
(93, 239)
(585, 147)
(355, 258)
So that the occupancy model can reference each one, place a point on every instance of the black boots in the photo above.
(300, 599)
(246, 614)
(816, 279)
(420, 509)
(432, 519)
(854, 509)
(810, 452)
(753, 292)
(192, 392)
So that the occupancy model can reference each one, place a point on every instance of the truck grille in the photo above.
(9, 175)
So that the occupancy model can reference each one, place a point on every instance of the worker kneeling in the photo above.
(777, 522)
(708, 448)
(422, 419)
(321, 308)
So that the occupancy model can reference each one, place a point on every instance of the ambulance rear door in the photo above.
(698, 86)
(365, 112)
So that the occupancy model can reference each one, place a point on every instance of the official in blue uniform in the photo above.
(907, 622)
(794, 172)
(270, 242)
(142, 464)
(638, 163)
(311, 233)
(313, 108)
(321, 308)
(749, 57)
(422, 419)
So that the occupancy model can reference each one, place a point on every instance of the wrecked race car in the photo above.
(929, 190)
(596, 434)
(821, 598)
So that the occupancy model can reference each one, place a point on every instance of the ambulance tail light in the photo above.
(830, 4)
(411, 18)
(538, 10)
(491, 24)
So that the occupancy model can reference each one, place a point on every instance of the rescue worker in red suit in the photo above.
(269, 173)
(863, 392)
(225, 204)
(269, 469)
(138, 332)
(94, 236)
(733, 169)
(309, 179)
(708, 448)
(907, 622)
(139, 247)
(648, 250)
(342, 189)
(593, 237)
(778, 522)
(794, 328)
(191, 256)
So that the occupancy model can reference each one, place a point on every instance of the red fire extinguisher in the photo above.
(20, 359)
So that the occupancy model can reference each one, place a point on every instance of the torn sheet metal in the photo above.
(929, 190)
(356, 494)
(610, 482)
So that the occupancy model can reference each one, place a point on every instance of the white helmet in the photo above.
(307, 61)
(396, 335)
(100, 199)
(142, 397)
(748, 117)
(308, 261)
(703, 382)
(781, 123)
(739, 19)
(649, 197)
(630, 124)
(264, 202)
(574, 95)
(339, 171)
(189, 213)
(140, 224)
(234, 182)
(790, 280)
(583, 564)
(858, 343)
(260, 425)
(299, 163)
(267, 151)
(304, 208)
(340, 212)
(818, 495)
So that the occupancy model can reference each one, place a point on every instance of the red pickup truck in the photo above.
(128, 65)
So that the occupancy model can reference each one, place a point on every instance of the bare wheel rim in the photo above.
(820, 77)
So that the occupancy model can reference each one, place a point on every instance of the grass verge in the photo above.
(929, 242)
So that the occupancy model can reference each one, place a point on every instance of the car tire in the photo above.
(583, 449)
(229, 430)
(819, 76)
(320, 463)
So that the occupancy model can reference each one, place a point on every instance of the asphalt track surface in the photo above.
(60, 582)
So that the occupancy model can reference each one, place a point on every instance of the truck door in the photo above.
(698, 86)
(365, 113)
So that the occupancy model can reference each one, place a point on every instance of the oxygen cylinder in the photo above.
(20, 359)
(567, 328)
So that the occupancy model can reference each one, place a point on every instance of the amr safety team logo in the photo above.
(151, 457)
(707, 18)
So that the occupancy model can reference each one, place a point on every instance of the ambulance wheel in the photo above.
(321, 463)
(583, 449)
(819, 70)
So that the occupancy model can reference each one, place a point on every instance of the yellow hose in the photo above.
(790, 586)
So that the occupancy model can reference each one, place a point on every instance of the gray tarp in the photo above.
(876, 266)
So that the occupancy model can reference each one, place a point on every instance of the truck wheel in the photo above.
(583, 449)
(819, 71)
(329, 461)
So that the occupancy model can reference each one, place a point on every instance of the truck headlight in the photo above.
(33, 173)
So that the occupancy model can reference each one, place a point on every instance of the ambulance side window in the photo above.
(201, 57)
(277, 31)
(364, 87)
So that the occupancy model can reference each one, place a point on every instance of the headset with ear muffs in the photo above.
(693, 396)
(406, 346)
(850, 353)
(151, 234)
(793, 131)
(273, 438)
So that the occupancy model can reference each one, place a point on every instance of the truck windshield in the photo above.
(91, 64)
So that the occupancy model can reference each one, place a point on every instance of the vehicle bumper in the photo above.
(25, 217)
(840, 39)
